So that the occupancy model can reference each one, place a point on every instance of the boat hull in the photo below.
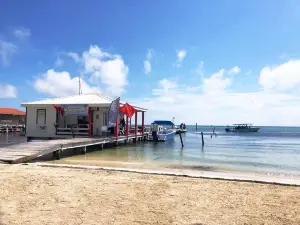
(243, 130)
(163, 136)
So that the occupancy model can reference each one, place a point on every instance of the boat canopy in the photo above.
(163, 122)
(242, 124)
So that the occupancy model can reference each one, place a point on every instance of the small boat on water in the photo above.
(243, 127)
(163, 130)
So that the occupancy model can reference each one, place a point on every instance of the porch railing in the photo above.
(74, 129)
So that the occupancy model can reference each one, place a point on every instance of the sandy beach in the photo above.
(41, 195)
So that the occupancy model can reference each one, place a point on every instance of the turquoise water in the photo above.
(272, 149)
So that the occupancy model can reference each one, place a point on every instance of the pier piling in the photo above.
(181, 140)
(83, 150)
(196, 126)
(202, 138)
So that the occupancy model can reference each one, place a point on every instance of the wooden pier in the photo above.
(24, 152)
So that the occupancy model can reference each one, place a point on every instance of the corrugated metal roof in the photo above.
(11, 111)
(90, 99)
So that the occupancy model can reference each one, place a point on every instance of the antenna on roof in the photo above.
(80, 91)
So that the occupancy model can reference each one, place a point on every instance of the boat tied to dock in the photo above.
(163, 130)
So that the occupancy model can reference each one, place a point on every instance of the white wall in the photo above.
(35, 130)
(97, 123)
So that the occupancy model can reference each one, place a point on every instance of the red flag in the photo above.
(128, 110)
(59, 109)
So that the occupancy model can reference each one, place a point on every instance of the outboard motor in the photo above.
(154, 132)
(154, 135)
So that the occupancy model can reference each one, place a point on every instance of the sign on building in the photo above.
(76, 110)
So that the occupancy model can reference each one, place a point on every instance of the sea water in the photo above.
(272, 149)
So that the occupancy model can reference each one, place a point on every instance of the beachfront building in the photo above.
(11, 116)
(79, 115)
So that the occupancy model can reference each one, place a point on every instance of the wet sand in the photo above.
(41, 195)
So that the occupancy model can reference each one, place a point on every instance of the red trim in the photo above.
(135, 128)
(143, 124)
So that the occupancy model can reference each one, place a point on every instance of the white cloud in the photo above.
(22, 33)
(60, 84)
(282, 77)
(199, 69)
(59, 62)
(105, 69)
(74, 56)
(147, 67)
(234, 70)
(260, 108)
(8, 91)
(190, 105)
(216, 83)
(181, 54)
(147, 62)
(7, 50)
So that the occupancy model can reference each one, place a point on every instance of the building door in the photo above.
(97, 122)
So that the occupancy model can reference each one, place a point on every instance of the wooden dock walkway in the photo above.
(24, 152)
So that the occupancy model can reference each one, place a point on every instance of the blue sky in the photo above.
(211, 62)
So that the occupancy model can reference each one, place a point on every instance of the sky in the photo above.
(206, 62)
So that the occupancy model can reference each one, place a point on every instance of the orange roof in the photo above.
(11, 111)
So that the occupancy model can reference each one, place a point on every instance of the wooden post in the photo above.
(90, 114)
(202, 138)
(143, 123)
(127, 128)
(136, 127)
(129, 124)
(181, 140)
(83, 150)
(196, 126)
(117, 126)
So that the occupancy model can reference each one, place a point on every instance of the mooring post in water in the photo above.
(202, 138)
(196, 126)
(181, 140)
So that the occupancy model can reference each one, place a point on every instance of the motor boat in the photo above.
(163, 130)
(243, 127)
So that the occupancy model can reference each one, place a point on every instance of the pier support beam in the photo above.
(127, 128)
(90, 119)
(56, 154)
(143, 123)
(83, 151)
(135, 124)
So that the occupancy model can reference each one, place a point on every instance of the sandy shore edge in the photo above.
(217, 175)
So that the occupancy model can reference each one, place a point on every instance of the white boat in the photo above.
(242, 127)
(163, 130)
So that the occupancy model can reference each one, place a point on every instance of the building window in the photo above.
(105, 118)
(41, 116)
